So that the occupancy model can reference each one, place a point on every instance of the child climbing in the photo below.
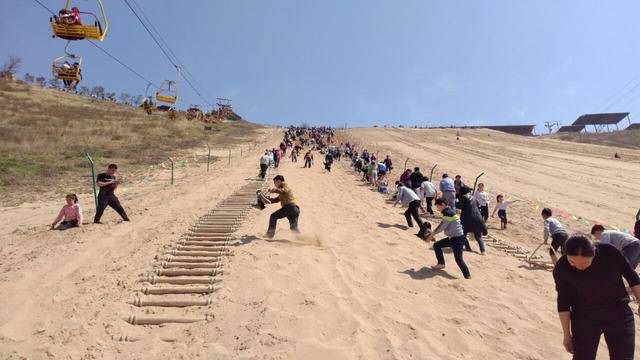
(452, 228)
(553, 228)
(501, 208)
(481, 199)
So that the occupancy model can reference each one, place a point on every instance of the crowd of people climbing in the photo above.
(588, 271)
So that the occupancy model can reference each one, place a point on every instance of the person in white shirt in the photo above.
(627, 244)
(501, 208)
(411, 200)
(481, 199)
(428, 192)
(264, 164)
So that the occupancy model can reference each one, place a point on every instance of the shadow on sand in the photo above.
(397, 226)
(244, 240)
(425, 273)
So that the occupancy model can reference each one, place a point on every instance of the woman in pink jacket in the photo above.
(70, 214)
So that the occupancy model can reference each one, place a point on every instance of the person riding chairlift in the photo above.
(69, 17)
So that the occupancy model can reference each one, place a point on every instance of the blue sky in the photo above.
(364, 62)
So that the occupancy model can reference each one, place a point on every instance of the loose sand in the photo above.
(354, 285)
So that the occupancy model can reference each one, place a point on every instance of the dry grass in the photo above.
(625, 138)
(46, 132)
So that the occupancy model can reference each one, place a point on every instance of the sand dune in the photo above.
(354, 285)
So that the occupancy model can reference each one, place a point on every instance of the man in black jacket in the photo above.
(416, 179)
(108, 182)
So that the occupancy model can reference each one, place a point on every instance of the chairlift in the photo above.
(168, 91)
(67, 25)
(67, 68)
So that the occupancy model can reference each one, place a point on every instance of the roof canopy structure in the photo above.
(600, 119)
(571, 128)
(525, 130)
(601, 122)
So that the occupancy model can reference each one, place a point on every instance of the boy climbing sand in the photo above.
(452, 228)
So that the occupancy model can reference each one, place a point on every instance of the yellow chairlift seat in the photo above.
(64, 30)
(168, 92)
(67, 67)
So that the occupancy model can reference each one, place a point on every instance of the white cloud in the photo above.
(569, 92)
(444, 83)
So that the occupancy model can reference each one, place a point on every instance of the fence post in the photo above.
(476, 183)
(93, 180)
(240, 150)
(171, 160)
(229, 156)
(208, 157)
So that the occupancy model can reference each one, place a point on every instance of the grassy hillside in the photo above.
(626, 138)
(45, 133)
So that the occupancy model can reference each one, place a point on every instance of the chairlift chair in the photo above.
(62, 29)
(70, 72)
(168, 92)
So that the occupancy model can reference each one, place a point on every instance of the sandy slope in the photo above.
(354, 285)
(62, 294)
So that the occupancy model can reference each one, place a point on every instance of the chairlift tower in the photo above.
(224, 107)
(551, 124)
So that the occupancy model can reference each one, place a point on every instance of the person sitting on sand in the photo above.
(412, 201)
(383, 186)
(627, 244)
(70, 214)
(553, 228)
(452, 228)
(592, 299)
(501, 208)
(288, 209)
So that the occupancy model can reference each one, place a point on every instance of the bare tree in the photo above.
(111, 96)
(124, 98)
(11, 66)
(28, 78)
(98, 91)
(40, 80)
(54, 83)
(85, 91)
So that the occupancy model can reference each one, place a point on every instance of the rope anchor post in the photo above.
(208, 157)
(475, 183)
(93, 179)
(171, 161)
(432, 170)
